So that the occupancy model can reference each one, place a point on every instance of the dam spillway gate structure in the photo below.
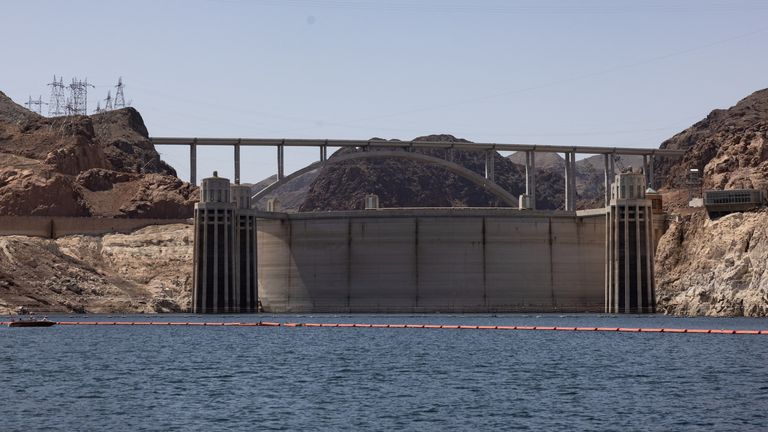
(421, 260)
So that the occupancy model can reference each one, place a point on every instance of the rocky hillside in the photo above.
(345, 185)
(99, 165)
(290, 195)
(717, 267)
(148, 270)
(729, 147)
(406, 183)
(714, 268)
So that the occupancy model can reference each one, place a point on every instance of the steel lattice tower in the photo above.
(78, 97)
(119, 96)
(35, 105)
(57, 102)
(108, 101)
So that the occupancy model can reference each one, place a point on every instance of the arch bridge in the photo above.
(407, 149)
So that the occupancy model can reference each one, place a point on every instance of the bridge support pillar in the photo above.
(530, 177)
(237, 163)
(645, 169)
(489, 174)
(323, 153)
(651, 179)
(570, 181)
(280, 162)
(193, 163)
(607, 170)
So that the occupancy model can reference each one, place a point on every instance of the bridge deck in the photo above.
(293, 142)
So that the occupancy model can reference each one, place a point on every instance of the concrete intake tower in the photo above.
(224, 277)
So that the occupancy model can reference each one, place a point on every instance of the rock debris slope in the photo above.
(714, 268)
(145, 271)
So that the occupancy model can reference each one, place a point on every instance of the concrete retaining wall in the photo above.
(427, 262)
(55, 227)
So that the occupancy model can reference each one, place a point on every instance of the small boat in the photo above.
(31, 323)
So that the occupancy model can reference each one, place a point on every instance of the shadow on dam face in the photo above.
(432, 260)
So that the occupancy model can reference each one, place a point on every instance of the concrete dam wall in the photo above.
(432, 260)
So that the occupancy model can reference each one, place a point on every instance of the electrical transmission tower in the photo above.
(108, 101)
(57, 102)
(119, 96)
(36, 105)
(78, 97)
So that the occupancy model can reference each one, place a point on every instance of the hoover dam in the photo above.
(427, 260)
(414, 260)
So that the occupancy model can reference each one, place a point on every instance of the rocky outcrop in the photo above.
(714, 267)
(40, 193)
(100, 165)
(729, 147)
(148, 270)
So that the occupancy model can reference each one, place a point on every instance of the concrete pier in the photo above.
(570, 181)
(530, 177)
(489, 164)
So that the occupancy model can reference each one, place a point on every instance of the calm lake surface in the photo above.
(68, 378)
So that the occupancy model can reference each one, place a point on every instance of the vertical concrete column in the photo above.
(528, 173)
(570, 181)
(651, 285)
(489, 164)
(567, 181)
(193, 162)
(323, 153)
(645, 170)
(607, 180)
(627, 260)
(203, 284)
(573, 181)
(616, 246)
(280, 162)
(639, 264)
(612, 172)
(237, 162)
(530, 177)
(533, 180)
(651, 179)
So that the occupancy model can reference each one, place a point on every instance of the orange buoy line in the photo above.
(410, 326)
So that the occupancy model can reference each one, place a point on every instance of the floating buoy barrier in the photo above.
(409, 326)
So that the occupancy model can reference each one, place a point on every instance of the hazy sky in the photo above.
(605, 73)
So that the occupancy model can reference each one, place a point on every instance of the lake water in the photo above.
(68, 378)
